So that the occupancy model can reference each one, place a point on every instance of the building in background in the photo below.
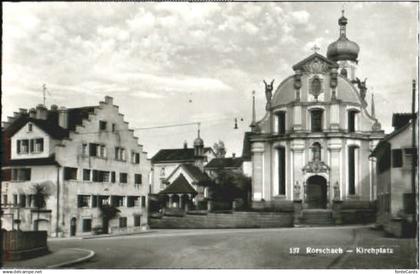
(231, 164)
(81, 159)
(314, 142)
(178, 175)
(394, 163)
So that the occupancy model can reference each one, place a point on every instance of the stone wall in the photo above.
(225, 220)
(19, 245)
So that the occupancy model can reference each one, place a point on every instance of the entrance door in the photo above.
(316, 192)
(73, 227)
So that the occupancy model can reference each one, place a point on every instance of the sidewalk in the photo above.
(117, 234)
(60, 258)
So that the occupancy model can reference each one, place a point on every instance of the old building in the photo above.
(82, 158)
(314, 141)
(394, 157)
(178, 174)
(232, 164)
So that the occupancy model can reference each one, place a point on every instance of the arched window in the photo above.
(316, 120)
(316, 152)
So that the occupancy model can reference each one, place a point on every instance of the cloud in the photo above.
(216, 53)
(301, 16)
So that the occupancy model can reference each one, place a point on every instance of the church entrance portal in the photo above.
(316, 192)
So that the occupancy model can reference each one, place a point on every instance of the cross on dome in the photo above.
(315, 48)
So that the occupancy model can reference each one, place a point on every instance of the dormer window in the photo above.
(39, 145)
(22, 146)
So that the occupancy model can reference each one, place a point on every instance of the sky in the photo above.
(171, 63)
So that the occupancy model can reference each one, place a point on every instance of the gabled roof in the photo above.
(176, 155)
(180, 185)
(196, 173)
(315, 55)
(225, 163)
(401, 119)
(50, 125)
(384, 142)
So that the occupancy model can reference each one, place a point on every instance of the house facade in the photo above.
(314, 142)
(394, 156)
(83, 158)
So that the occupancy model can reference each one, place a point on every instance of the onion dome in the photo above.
(343, 49)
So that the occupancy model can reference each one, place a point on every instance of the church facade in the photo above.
(314, 142)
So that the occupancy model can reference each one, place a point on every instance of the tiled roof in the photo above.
(176, 155)
(180, 185)
(225, 163)
(31, 162)
(384, 142)
(50, 125)
(401, 119)
(196, 173)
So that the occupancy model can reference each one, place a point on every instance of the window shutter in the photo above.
(18, 146)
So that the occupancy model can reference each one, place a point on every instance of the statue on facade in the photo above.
(362, 87)
(268, 92)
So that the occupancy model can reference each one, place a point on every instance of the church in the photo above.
(314, 141)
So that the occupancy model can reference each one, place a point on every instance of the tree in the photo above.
(229, 186)
(219, 149)
(41, 194)
(108, 212)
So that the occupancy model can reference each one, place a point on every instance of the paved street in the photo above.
(244, 248)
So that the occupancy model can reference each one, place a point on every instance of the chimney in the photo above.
(32, 113)
(41, 112)
(63, 117)
(185, 144)
(22, 110)
(109, 100)
(233, 155)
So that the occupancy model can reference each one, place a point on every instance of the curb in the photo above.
(79, 260)
(116, 235)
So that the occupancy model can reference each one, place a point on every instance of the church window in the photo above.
(282, 170)
(316, 120)
(281, 119)
(352, 121)
(352, 170)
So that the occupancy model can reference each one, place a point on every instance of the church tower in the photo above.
(344, 52)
